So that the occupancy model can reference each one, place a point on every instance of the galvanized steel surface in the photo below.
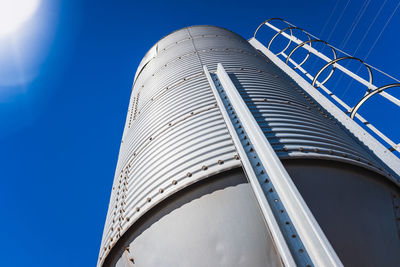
(301, 231)
(175, 135)
(355, 208)
(199, 226)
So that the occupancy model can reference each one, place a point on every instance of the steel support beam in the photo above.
(310, 234)
(266, 211)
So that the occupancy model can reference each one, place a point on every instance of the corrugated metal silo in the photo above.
(180, 196)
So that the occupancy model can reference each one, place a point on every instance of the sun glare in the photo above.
(13, 13)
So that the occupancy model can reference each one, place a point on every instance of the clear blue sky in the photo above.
(65, 83)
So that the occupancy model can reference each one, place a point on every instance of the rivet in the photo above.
(294, 236)
(236, 157)
(281, 211)
(276, 200)
(330, 152)
(188, 174)
(262, 172)
(285, 149)
(265, 99)
(301, 149)
(345, 155)
(127, 219)
(248, 143)
(220, 162)
(240, 126)
(148, 199)
(287, 223)
(316, 150)
(251, 150)
(204, 167)
(266, 180)
(174, 182)
(161, 190)
(245, 137)
(137, 209)
(301, 251)
(258, 163)
(271, 190)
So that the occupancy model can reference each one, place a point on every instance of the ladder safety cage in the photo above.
(334, 64)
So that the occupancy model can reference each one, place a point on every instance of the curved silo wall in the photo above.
(175, 137)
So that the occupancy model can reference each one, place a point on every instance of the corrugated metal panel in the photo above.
(175, 135)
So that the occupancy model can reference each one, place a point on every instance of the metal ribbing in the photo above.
(175, 135)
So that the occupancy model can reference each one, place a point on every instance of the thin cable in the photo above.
(362, 40)
(369, 27)
(355, 23)
(337, 22)
(334, 27)
(347, 54)
(329, 18)
(383, 29)
(349, 34)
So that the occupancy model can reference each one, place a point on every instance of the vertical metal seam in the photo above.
(315, 241)
(269, 218)
(194, 46)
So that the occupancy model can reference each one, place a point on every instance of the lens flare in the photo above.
(13, 14)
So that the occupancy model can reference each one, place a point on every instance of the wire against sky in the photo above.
(329, 18)
(337, 21)
(369, 27)
(383, 29)
(349, 34)
(355, 23)
(362, 41)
